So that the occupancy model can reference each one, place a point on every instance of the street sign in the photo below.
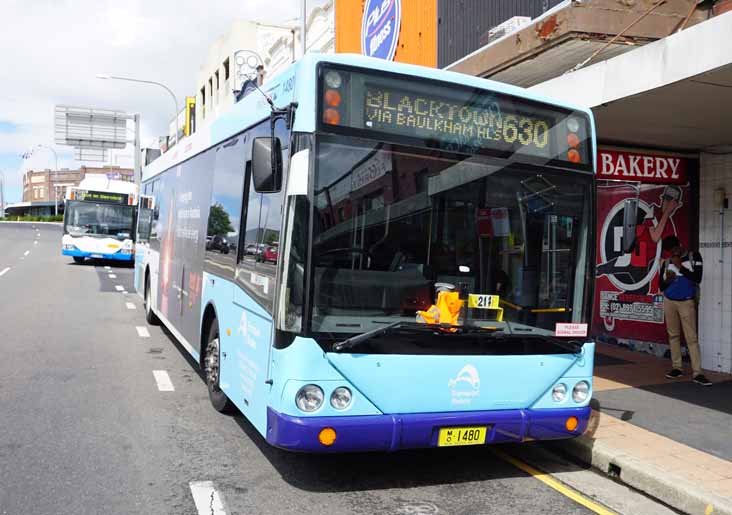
(85, 127)
(380, 27)
(246, 63)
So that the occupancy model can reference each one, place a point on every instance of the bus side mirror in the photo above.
(267, 165)
(630, 215)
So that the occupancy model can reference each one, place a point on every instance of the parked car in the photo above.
(251, 249)
(219, 243)
(270, 254)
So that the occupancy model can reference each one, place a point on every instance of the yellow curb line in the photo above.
(554, 484)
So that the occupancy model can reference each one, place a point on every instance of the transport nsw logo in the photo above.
(465, 386)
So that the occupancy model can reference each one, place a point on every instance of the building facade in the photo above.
(51, 185)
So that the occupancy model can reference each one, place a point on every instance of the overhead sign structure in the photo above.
(85, 127)
(90, 154)
(380, 28)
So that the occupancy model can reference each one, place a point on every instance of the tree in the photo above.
(219, 221)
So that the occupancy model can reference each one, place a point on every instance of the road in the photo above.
(103, 414)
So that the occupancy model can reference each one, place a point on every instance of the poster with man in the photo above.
(628, 300)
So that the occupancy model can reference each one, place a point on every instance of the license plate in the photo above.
(450, 436)
(97, 256)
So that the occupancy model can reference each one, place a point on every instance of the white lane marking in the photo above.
(142, 331)
(107, 267)
(4, 271)
(124, 292)
(26, 252)
(112, 276)
(35, 242)
(130, 305)
(207, 498)
(119, 288)
(163, 380)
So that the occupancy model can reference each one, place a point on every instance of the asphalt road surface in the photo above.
(100, 413)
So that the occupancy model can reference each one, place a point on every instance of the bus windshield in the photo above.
(98, 219)
(393, 225)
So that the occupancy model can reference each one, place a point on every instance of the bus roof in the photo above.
(298, 83)
(102, 183)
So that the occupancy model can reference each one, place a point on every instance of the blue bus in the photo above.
(99, 220)
(371, 256)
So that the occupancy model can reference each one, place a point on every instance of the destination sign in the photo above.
(453, 117)
(103, 196)
(471, 124)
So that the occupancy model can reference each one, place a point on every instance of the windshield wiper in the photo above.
(412, 326)
(355, 340)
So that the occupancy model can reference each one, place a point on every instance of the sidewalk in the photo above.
(670, 439)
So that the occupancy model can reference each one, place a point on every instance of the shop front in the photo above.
(662, 188)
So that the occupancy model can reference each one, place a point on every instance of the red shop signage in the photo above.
(647, 168)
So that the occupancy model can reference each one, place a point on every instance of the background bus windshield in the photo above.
(391, 222)
(93, 219)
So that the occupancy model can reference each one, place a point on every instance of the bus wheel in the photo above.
(150, 316)
(78, 259)
(212, 369)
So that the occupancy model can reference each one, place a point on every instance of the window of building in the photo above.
(210, 89)
(216, 76)
(226, 69)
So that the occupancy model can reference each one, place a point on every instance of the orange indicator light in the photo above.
(574, 156)
(332, 98)
(573, 140)
(571, 424)
(327, 436)
(331, 116)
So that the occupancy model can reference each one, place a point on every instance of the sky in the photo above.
(52, 50)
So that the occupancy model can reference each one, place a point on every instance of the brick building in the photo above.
(49, 185)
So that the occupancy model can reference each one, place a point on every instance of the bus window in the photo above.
(222, 233)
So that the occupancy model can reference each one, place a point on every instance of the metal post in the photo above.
(138, 150)
(303, 26)
(2, 194)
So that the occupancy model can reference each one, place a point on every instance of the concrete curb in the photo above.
(668, 487)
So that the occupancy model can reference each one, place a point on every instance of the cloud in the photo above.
(53, 50)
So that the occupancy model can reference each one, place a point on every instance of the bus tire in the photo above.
(78, 259)
(150, 315)
(212, 371)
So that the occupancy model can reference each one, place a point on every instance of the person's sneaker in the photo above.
(674, 374)
(702, 380)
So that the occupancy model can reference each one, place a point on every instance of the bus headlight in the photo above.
(69, 246)
(581, 391)
(341, 398)
(309, 398)
(333, 79)
(559, 392)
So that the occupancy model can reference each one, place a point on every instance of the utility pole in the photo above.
(138, 150)
(303, 26)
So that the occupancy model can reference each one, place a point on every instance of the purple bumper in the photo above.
(394, 432)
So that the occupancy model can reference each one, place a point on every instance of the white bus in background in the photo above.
(99, 220)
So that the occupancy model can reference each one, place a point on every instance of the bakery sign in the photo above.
(636, 167)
